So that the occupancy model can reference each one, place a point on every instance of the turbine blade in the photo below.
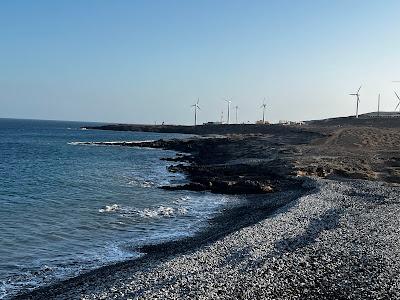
(359, 89)
(397, 95)
(398, 104)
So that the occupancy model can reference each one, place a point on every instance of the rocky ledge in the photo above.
(226, 165)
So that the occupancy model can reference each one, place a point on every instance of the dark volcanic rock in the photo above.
(226, 187)
(193, 186)
(241, 187)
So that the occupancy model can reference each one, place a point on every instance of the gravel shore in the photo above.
(341, 241)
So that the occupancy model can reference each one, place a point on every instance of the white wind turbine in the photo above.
(379, 104)
(358, 99)
(236, 108)
(398, 104)
(229, 108)
(264, 107)
(196, 107)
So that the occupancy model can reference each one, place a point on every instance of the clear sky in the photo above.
(147, 61)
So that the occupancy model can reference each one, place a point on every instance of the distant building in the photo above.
(382, 114)
(285, 122)
(262, 122)
(212, 123)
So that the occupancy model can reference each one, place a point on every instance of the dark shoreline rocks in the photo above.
(209, 170)
(225, 187)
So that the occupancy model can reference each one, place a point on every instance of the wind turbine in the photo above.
(264, 107)
(229, 107)
(379, 104)
(196, 107)
(236, 108)
(398, 104)
(358, 99)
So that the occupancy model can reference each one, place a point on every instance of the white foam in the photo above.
(181, 200)
(182, 211)
(110, 208)
(111, 143)
(72, 143)
(144, 183)
(161, 211)
(45, 275)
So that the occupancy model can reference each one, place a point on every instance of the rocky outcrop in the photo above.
(226, 187)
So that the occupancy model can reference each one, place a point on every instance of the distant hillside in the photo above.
(385, 120)
(202, 129)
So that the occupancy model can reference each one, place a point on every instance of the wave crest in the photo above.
(110, 208)
(161, 211)
(111, 143)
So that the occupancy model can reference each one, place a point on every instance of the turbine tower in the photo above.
(264, 107)
(379, 104)
(236, 108)
(358, 99)
(196, 107)
(229, 108)
(398, 104)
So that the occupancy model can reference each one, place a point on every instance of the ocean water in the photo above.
(67, 208)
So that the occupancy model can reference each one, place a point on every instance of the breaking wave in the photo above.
(161, 211)
(142, 183)
(110, 143)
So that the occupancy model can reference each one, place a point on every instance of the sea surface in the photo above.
(66, 208)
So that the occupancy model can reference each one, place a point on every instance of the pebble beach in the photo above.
(339, 241)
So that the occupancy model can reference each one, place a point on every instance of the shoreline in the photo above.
(308, 225)
(232, 219)
(318, 246)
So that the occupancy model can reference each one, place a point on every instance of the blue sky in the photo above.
(148, 61)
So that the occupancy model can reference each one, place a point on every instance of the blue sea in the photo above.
(67, 208)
